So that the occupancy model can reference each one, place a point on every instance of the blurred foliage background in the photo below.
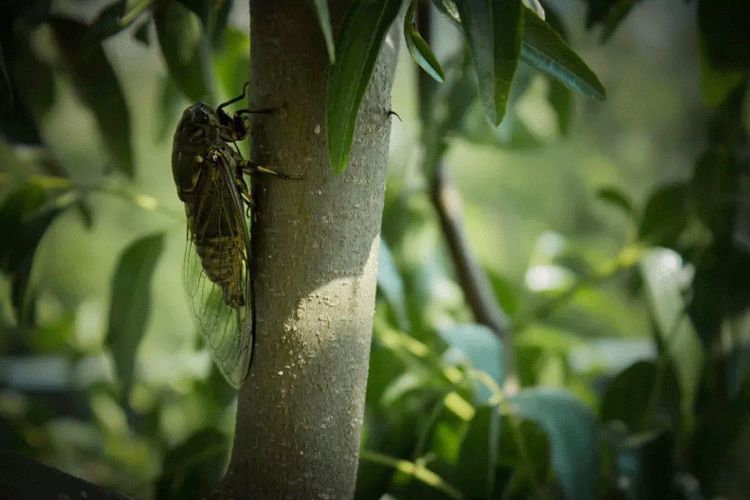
(615, 236)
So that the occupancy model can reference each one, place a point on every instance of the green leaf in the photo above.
(477, 460)
(391, 285)
(482, 348)
(6, 87)
(419, 49)
(357, 50)
(724, 33)
(572, 432)
(561, 100)
(192, 468)
(449, 8)
(544, 49)
(494, 30)
(617, 198)
(608, 13)
(717, 84)
(25, 216)
(645, 465)
(324, 19)
(630, 398)
(186, 49)
(665, 216)
(130, 304)
(97, 84)
(663, 274)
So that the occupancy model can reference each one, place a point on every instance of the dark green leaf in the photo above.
(725, 33)
(572, 432)
(31, 92)
(220, 21)
(494, 30)
(202, 9)
(141, 33)
(477, 461)
(645, 465)
(631, 399)
(171, 102)
(665, 216)
(194, 466)
(324, 19)
(561, 100)
(97, 84)
(186, 50)
(419, 49)
(544, 49)
(617, 198)
(7, 98)
(608, 13)
(130, 304)
(25, 216)
(357, 50)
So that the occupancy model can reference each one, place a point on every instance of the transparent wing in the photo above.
(216, 272)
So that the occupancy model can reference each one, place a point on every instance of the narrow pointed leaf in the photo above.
(494, 30)
(97, 84)
(357, 50)
(186, 49)
(545, 50)
(324, 19)
(130, 304)
(419, 49)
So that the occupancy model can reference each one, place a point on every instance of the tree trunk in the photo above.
(315, 248)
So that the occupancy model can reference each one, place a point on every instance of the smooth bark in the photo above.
(315, 247)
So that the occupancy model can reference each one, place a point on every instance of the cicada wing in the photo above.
(224, 313)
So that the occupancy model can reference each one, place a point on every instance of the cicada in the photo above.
(208, 172)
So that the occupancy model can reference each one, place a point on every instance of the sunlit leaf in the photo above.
(572, 432)
(494, 31)
(357, 49)
(324, 19)
(477, 460)
(663, 276)
(545, 50)
(419, 49)
(186, 49)
(97, 84)
(130, 304)
(193, 467)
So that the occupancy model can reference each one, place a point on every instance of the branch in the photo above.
(472, 278)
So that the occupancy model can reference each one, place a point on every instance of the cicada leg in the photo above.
(253, 168)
